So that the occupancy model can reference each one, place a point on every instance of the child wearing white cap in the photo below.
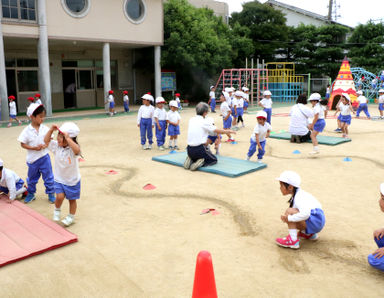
(160, 116)
(226, 114)
(345, 113)
(235, 105)
(304, 213)
(261, 131)
(318, 124)
(173, 120)
(381, 103)
(67, 175)
(145, 121)
(246, 99)
(38, 160)
(11, 184)
(362, 104)
(376, 259)
(266, 104)
(212, 99)
(240, 109)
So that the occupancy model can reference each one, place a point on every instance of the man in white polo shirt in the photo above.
(198, 131)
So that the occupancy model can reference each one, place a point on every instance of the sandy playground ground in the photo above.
(138, 243)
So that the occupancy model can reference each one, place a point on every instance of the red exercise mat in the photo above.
(25, 233)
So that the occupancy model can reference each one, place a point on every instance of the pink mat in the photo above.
(25, 233)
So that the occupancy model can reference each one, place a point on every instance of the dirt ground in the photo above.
(139, 243)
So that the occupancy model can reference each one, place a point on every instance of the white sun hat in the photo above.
(346, 95)
(160, 99)
(382, 188)
(32, 107)
(211, 87)
(173, 103)
(239, 94)
(360, 92)
(381, 91)
(291, 178)
(315, 96)
(228, 89)
(261, 114)
(70, 128)
(245, 89)
(1, 162)
(148, 97)
(267, 92)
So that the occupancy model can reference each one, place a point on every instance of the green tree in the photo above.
(366, 47)
(267, 28)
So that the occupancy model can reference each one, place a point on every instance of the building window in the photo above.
(76, 8)
(19, 9)
(27, 80)
(135, 10)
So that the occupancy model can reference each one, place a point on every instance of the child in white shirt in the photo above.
(160, 116)
(261, 131)
(212, 99)
(37, 99)
(11, 184)
(266, 104)
(173, 120)
(12, 111)
(126, 101)
(226, 114)
(381, 102)
(111, 102)
(363, 107)
(345, 113)
(318, 123)
(145, 121)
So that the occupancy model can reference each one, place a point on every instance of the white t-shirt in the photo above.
(125, 98)
(198, 130)
(319, 109)
(38, 101)
(160, 114)
(173, 116)
(299, 119)
(345, 110)
(362, 99)
(224, 109)
(235, 102)
(261, 130)
(381, 99)
(178, 100)
(111, 98)
(145, 112)
(212, 94)
(229, 100)
(246, 97)
(33, 138)
(266, 103)
(328, 90)
(305, 202)
(66, 170)
(8, 180)
(240, 103)
(12, 108)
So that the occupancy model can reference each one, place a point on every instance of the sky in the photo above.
(353, 12)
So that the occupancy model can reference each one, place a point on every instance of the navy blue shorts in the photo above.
(381, 106)
(315, 223)
(173, 130)
(227, 123)
(70, 192)
(12, 116)
(111, 105)
(346, 119)
(319, 125)
(213, 138)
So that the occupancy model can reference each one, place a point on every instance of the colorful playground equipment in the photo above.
(368, 82)
(343, 84)
(279, 78)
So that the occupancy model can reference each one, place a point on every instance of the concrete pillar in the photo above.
(157, 71)
(3, 80)
(106, 72)
(43, 55)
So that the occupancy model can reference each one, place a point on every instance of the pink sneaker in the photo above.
(308, 236)
(288, 242)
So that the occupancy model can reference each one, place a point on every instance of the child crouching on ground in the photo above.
(304, 213)
(258, 138)
(67, 175)
(10, 183)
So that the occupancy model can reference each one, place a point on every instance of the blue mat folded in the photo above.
(324, 140)
(226, 166)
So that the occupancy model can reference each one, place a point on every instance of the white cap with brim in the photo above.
(382, 188)
(381, 91)
(267, 92)
(147, 97)
(291, 178)
(346, 95)
(1, 162)
(359, 92)
(173, 103)
(211, 87)
(239, 94)
(315, 96)
(32, 108)
(70, 128)
(227, 89)
(160, 99)
(261, 114)
(245, 89)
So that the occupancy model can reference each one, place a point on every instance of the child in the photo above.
(111, 101)
(160, 116)
(226, 113)
(212, 99)
(173, 120)
(67, 175)
(235, 105)
(145, 121)
(246, 99)
(11, 184)
(318, 122)
(37, 99)
(304, 213)
(126, 101)
(240, 109)
(266, 104)
(376, 259)
(338, 108)
(345, 113)
(38, 160)
(12, 111)
(261, 131)
(328, 92)
(213, 137)
(381, 103)
(177, 98)
(362, 104)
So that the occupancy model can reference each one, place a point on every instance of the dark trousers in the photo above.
(198, 152)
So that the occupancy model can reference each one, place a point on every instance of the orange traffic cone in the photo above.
(204, 285)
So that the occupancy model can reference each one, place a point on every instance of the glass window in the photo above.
(76, 8)
(27, 63)
(69, 63)
(85, 79)
(85, 63)
(27, 80)
(10, 62)
(19, 9)
(135, 10)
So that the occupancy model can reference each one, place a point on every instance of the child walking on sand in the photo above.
(318, 124)
(363, 106)
(345, 113)
(304, 213)
(266, 104)
(173, 120)
(111, 102)
(12, 111)
(67, 175)
(126, 101)
(258, 138)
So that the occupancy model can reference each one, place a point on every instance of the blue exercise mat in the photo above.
(324, 140)
(226, 166)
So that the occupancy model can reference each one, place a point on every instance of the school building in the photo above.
(74, 51)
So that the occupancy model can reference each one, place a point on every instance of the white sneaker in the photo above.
(314, 152)
(247, 158)
(259, 161)
(68, 220)
(149, 147)
(197, 164)
(56, 215)
(161, 148)
(144, 147)
(187, 163)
